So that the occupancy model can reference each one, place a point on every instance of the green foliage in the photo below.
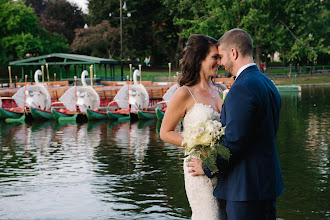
(303, 27)
(53, 42)
(295, 28)
(62, 17)
(21, 34)
(99, 40)
(21, 43)
(18, 31)
(159, 28)
(211, 157)
(148, 32)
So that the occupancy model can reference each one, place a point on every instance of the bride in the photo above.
(196, 99)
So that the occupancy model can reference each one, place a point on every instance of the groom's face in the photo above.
(225, 60)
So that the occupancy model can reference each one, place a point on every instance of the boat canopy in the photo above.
(66, 66)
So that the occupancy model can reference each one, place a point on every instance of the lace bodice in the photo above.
(200, 112)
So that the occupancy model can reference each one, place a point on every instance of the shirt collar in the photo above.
(243, 68)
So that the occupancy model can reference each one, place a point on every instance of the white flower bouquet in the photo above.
(203, 140)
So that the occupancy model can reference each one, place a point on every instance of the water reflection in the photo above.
(138, 185)
(112, 170)
(303, 143)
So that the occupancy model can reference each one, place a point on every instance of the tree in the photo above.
(148, 32)
(38, 5)
(97, 40)
(18, 25)
(151, 27)
(186, 10)
(303, 30)
(293, 27)
(21, 34)
(159, 28)
(62, 17)
(216, 17)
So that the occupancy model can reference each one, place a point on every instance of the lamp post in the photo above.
(121, 40)
(121, 33)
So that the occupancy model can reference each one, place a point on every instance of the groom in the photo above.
(251, 180)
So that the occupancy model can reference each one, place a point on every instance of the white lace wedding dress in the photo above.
(199, 189)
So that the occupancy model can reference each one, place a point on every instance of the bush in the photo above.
(275, 64)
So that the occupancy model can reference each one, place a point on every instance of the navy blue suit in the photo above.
(251, 116)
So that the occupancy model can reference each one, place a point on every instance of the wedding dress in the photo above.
(199, 189)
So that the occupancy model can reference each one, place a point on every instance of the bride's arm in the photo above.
(174, 113)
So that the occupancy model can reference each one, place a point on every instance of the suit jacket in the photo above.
(251, 116)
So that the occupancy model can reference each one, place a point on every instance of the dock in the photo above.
(289, 88)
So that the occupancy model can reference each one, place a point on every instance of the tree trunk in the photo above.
(178, 52)
(257, 55)
(284, 59)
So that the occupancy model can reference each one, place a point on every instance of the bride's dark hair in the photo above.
(196, 50)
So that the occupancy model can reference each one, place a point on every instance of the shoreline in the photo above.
(305, 85)
(314, 84)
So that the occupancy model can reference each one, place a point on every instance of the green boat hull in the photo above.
(159, 114)
(146, 115)
(72, 118)
(125, 118)
(115, 116)
(63, 117)
(94, 115)
(8, 114)
(16, 120)
(39, 114)
(122, 117)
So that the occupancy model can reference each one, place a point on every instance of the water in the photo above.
(303, 146)
(106, 170)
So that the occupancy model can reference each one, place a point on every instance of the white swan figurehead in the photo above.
(83, 96)
(36, 76)
(135, 75)
(36, 96)
(170, 92)
(138, 96)
(83, 77)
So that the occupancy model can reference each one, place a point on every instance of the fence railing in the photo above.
(295, 71)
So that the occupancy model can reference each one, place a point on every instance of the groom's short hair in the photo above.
(238, 39)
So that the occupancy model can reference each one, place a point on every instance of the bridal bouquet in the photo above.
(203, 139)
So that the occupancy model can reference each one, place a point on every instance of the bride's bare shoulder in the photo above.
(182, 93)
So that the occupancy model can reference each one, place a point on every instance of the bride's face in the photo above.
(209, 66)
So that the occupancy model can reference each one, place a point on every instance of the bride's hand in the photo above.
(196, 167)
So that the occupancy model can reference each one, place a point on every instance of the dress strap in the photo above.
(191, 94)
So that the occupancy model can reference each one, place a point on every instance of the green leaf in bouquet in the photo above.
(198, 147)
(223, 151)
(210, 162)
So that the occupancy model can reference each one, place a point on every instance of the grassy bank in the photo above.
(314, 79)
(278, 79)
(161, 74)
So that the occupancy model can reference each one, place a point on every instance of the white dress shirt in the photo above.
(243, 68)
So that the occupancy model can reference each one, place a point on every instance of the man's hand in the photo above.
(196, 167)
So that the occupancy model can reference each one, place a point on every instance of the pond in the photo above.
(110, 170)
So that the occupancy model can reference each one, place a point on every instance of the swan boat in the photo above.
(130, 100)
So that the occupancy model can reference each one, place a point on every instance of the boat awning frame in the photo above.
(68, 59)
(64, 60)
